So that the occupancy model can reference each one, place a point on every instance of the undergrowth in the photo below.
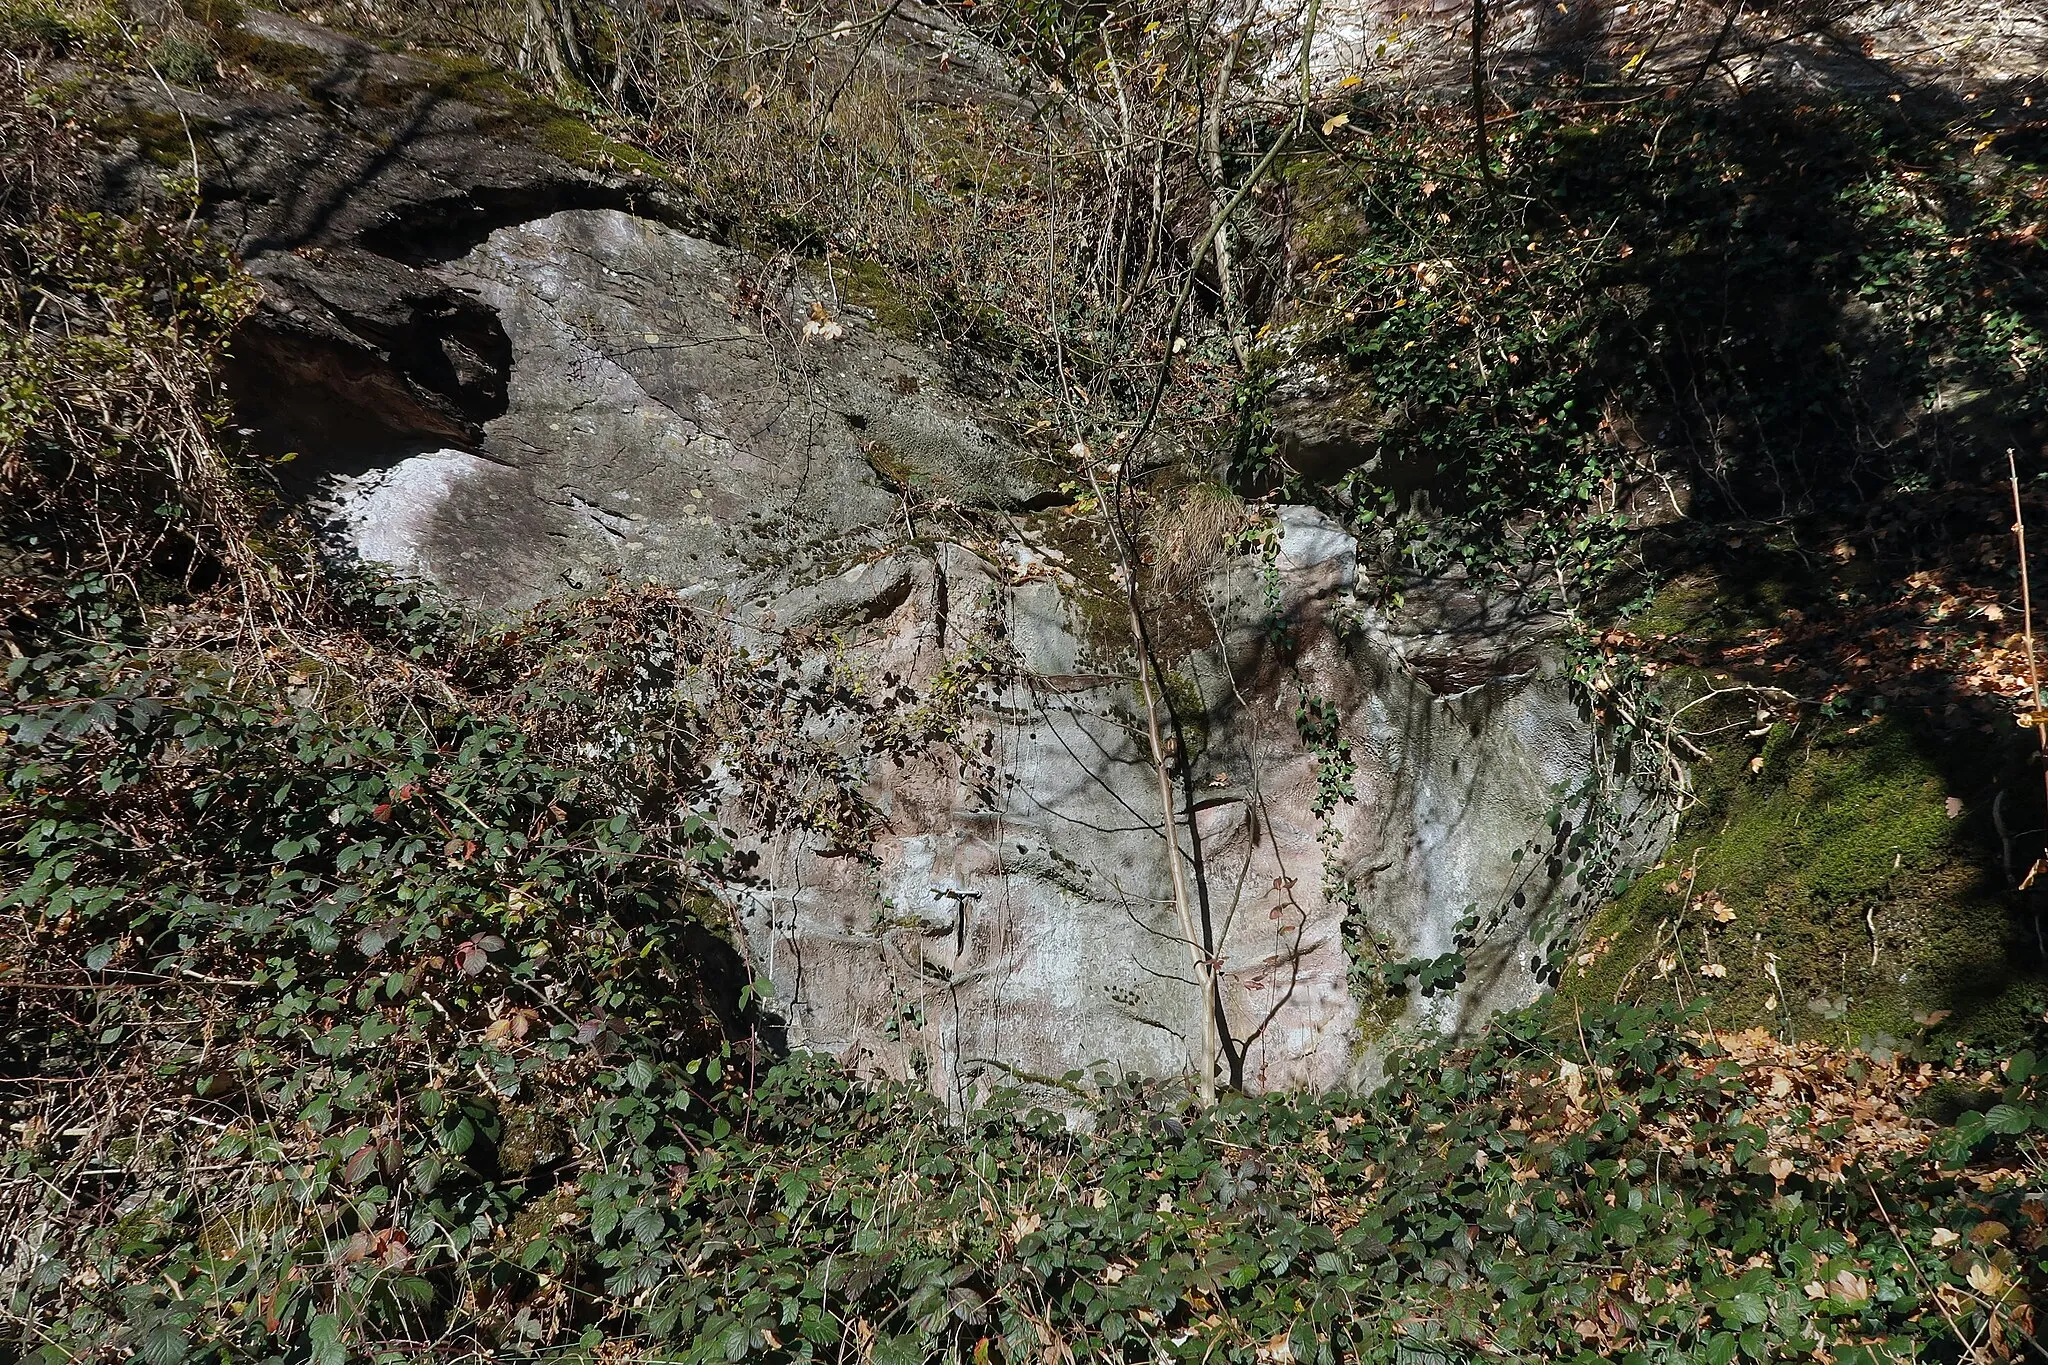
(1749, 310)
(361, 999)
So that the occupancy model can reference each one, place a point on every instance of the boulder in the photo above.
(516, 374)
(1364, 791)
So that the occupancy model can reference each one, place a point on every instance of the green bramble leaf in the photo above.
(2009, 1120)
(325, 1337)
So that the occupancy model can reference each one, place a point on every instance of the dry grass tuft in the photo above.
(1189, 532)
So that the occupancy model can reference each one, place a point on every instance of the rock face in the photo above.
(1013, 921)
(1882, 46)
(656, 427)
(516, 377)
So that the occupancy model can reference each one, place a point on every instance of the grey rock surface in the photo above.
(517, 377)
(664, 421)
(1014, 923)
(1874, 45)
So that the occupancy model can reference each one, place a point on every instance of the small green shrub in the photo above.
(183, 60)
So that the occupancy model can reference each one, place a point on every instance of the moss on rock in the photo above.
(1836, 857)
(884, 294)
(161, 138)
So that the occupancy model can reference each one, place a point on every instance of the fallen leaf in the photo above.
(822, 326)
(1988, 1279)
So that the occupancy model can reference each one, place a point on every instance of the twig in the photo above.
(875, 27)
(191, 143)
(1969, 1341)
(1199, 953)
(1479, 96)
(2034, 717)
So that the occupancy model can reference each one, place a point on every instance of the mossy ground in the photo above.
(898, 310)
(1841, 865)
(1862, 855)
(161, 137)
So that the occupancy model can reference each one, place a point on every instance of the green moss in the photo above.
(532, 1137)
(869, 285)
(1325, 193)
(283, 64)
(1184, 700)
(1380, 1010)
(505, 108)
(217, 15)
(160, 135)
(544, 1217)
(707, 911)
(1860, 854)
(578, 143)
(1835, 851)
(57, 28)
(1678, 606)
(183, 60)
(1101, 614)
(895, 472)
